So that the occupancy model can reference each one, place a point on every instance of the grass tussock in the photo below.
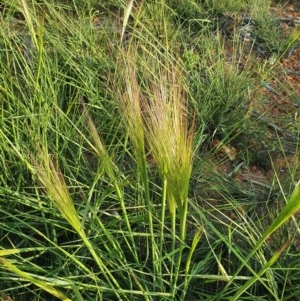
(138, 162)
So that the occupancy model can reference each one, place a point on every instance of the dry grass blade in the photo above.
(127, 13)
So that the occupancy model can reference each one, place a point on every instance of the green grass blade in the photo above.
(287, 212)
(42, 284)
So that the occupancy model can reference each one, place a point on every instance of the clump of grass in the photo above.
(225, 6)
(101, 133)
(155, 113)
(167, 120)
(217, 86)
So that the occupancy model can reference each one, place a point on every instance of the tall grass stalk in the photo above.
(170, 143)
(55, 186)
(157, 114)
(130, 105)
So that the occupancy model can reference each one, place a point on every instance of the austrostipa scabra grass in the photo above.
(98, 174)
